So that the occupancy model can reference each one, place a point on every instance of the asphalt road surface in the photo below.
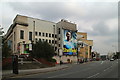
(95, 69)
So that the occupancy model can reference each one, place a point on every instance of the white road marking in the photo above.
(66, 74)
(102, 62)
(93, 75)
(108, 68)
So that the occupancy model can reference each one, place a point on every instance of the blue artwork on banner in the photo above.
(69, 43)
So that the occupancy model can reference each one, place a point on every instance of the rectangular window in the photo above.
(59, 38)
(43, 40)
(55, 48)
(30, 35)
(39, 33)
(36, 33)
(49, 35)
(53, 35)
(39, 39)
(49, 41)
(59, 45)
(59, 30)
(46, 40)
(21, 34)
(43, 34)
(46, 34)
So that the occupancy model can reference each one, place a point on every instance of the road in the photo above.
(95, 69)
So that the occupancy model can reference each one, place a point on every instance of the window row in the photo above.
(30, 35)
(45, 34)
(49, 41)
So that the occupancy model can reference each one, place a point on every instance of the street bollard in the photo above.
(15, 64)
(61, 62)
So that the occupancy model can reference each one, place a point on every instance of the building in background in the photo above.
(25, 30)
(62, 35)
(67, 42)
(84, 46)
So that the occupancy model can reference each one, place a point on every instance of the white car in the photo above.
(112, 59)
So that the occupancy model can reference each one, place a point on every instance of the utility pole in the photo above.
(54, 35)
(34, 31)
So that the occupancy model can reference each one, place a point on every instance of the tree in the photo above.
(43, 50)
(6, 51)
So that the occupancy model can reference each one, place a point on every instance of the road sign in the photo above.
(30, 47)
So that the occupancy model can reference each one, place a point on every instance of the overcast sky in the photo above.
(98, 18)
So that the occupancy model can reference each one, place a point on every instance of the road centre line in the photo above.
(93, 75)
(65, 74)
(107, 68)
(102, 62)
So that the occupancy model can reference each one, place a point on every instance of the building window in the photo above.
(39, 33)
(59, 30)
(46, 40)
(21, 34)
(36, 33)
(53, 35)
(55, 48)
(39, 39)
(46, 34)
(42, 34)
(30, 35)
(43, 40)
(49, 41)
(59, 45)
(52, 41)
(59, 38)
(49, 35)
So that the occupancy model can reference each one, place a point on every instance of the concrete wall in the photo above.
(65, 58)
(67, 25)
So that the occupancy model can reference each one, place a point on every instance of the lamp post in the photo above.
(34, 31)
(60, 54)
(54, 35)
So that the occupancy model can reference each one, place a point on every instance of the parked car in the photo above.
(97, 59)
(81, 61)
(112, 59)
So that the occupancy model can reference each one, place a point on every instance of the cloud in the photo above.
(98, 19)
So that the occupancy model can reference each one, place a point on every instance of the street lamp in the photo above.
(54, 35)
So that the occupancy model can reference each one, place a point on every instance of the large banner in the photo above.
(69, 43)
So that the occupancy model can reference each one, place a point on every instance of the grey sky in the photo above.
(98, 19)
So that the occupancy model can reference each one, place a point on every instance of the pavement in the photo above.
(8, 73)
